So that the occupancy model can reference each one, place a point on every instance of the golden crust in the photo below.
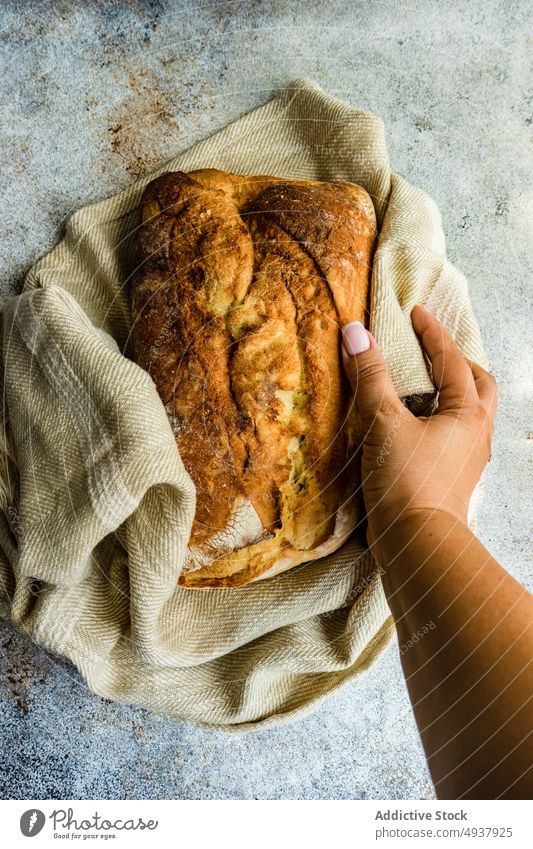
(241, 286)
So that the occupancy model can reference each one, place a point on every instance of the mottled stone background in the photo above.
(94, 94)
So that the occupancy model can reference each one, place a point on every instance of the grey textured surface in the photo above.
(96, 93)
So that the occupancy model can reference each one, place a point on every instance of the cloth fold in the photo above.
(95, 503)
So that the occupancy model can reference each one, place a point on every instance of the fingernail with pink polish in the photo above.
(355, 338)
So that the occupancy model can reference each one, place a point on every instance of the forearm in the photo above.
(464, 628)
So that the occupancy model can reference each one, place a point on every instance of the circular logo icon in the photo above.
(32, 822)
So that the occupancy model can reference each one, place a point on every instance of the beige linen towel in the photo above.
(96, 504)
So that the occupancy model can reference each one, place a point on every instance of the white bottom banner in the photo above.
(258, 824)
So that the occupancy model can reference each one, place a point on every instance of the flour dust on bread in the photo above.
(241, 287)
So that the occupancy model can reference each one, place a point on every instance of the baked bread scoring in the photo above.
(241, 286)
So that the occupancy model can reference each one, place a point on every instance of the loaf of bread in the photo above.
(241, 286)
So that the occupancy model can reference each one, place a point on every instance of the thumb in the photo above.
(367, 372)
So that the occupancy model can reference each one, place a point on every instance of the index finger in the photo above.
(451, 373)
(486, 388)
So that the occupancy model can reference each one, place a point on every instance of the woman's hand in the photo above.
(416, 465)
(463, 623)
